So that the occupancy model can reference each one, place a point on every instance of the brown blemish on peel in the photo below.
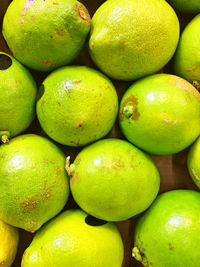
(132, 100)
(57, 169)
(80, 124)
(59, 34)
(2, 263)
(170, 246)
(29, 204)
(83, 13)
(46, 63)
(76, 81)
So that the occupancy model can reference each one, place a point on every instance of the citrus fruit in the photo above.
(78, 105)
(33, 181)
(131, 39)
(161, 114)
(17, 97)
(113, 180)
(75, 239)
(192, 6)
(168, 233)
(187, 58)
(46, 34)
(193, 162)
(9, 238)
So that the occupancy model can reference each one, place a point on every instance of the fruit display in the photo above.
(99, 133)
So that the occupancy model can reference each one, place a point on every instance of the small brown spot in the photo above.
(170, 246)
(1, 156)
(77, 81)
(29, 204)
(48, 195)
(46, 63)
(92, 44)
(59, 103)
(57, 169)
(59, 34)
(45, 161)
(17, 197)
(55, 4)
(2, 262)
(121, 42)
(80, 124)
(43, 103)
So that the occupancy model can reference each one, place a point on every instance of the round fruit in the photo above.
(187, 56)
(78, 105)
(75, 239)
(33, 181)
(9, 238)
(113, 180)
(161, 114)
(168, 233)
(193, 162)
(192, 6)
(17, 97)
(46, 34)
(131, 39)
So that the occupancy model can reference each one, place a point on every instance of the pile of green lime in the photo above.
(74, 162)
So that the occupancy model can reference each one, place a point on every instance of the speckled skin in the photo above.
(113, 180)
(187, 57)
(33, 181)
(191, 6)
(17, 97)
(193, 162)
(79, 105)
(69, 241)
(168, 233)
(9, 239)
(132, 39)
(46, 34)
(165, 115)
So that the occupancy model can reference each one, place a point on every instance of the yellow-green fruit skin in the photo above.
(167, 235)
(187, 57)
(132, 39)
(17, 96)
(9, 239)
(193, 162)
(185, 6)
(161, 114)
(79, 105)
(112, 180)
(33, 181)
(69, 241)
(46, 34)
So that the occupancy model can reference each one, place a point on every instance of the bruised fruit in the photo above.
(131, 39)
(161, 114)
(46, 34)
(9, 238)
(33, 181)
(193, 162)
(187, 57)
(168, 233)
(75, 239)
(113, 180)
(191, 6)
(17, 97)
(78, 105)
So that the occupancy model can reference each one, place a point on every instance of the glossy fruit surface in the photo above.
(46, 34)
(113, 180)
(33, 181)
(17, 97)
(161, 114)
(168, 233)
(75, 239)
(78, 106)
(132, 39)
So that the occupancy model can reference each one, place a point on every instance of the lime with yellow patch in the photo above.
(46, 34)
(9, 239)
(17, 97)
(161, 114)
(131, 39)
(187, 57)
(113, 180)
(77, 105)
(33, 181)
(75, 239)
